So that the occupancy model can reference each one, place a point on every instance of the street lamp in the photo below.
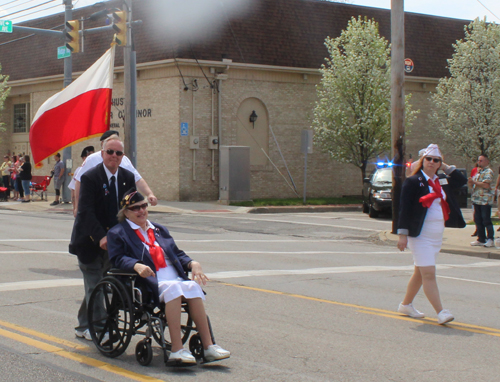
(253, 118)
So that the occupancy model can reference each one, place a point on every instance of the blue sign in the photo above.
(184, 129)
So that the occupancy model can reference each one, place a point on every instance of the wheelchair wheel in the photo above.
(196, 347)
(186, 327)
(144, 352)
(110, 315)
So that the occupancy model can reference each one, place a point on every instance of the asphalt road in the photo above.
(295, 297)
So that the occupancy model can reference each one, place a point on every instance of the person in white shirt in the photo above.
(85, 153)
(94, 159)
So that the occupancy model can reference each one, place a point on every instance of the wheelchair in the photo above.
(119, 308)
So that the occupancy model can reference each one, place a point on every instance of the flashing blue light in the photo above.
(389, 164)
(380, 164)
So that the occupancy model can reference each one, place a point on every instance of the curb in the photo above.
(289, 209)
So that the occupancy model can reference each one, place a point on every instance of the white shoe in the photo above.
(445, 316)
(409, 310)
(477, 243)
(83, 334)
(215, 353)
(182, 356)
(489, 243)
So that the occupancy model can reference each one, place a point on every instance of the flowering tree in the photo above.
(4, 92)
(352, 117)
(466, 106)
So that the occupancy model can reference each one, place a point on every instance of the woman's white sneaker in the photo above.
(445, 316)
(182, 356)
(409, 310)
(215, 353)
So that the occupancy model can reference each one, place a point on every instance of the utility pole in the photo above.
(397, 105)
(130, 82)
(68, 78)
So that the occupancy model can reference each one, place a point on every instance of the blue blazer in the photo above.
(94, 217)
(125, 249)
(412, 213)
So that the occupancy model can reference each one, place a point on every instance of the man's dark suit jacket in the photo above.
(93, 219)
(412, 213)
(126, 249)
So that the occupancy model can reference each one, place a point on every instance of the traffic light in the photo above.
(72, 36)
(120, 26)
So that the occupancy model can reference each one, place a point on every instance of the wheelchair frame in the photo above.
(117, 311)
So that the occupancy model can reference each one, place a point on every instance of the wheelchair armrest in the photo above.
(120, 272)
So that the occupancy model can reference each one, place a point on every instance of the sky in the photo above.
(461, 9)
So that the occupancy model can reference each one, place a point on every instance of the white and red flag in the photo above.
(78, 112)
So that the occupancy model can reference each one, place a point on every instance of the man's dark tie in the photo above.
(113, 199)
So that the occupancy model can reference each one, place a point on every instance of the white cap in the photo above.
(421, 152)
(433, 150)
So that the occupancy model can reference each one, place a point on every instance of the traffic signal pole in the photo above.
(130, 81)
(397, 105)
(68, 78)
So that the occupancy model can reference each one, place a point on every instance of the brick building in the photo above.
(265, 59)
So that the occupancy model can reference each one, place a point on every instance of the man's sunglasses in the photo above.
(111, 152)
(435, 160)
(138, 208)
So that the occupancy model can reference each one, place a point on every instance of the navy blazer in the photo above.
(125, 249)
(93, 219)
(412, 213)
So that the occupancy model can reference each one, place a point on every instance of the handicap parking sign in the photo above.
(184, 129)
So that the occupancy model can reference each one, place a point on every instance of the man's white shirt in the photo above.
(94, 159)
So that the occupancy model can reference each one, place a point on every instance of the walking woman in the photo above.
(427, 206)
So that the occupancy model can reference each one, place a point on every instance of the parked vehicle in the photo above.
(377, 192)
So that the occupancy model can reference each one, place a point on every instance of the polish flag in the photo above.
(78, 112)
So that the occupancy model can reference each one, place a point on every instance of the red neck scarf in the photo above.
(155, 251)
(427, 200)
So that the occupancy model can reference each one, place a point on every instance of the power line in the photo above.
(485, 7)
(13, 1)
(23, 10)
(17, 5)
(32, 13)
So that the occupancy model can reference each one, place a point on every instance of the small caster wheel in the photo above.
(144, 352)
(196, 347)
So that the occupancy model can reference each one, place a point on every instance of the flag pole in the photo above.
(68, 78)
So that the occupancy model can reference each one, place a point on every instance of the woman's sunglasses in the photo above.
(138, 208)
(111, 152)
(435, 160)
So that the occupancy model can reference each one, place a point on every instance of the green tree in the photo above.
(352, 117)
(4, 92)
(466, 106)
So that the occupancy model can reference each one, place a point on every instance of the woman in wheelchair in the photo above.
(138, 245)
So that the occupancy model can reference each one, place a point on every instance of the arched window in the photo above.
(253, 130)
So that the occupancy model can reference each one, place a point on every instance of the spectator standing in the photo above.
(482, 199)
(58, 178)
(25, 176)
(5, 168)
(473, 175)
(497, 191)
(19, 184)
(13, 175)
(85, 153)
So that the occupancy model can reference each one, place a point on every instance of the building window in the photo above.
(21, 118)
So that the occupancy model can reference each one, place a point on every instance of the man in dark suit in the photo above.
(101, 190)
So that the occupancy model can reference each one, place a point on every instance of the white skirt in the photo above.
(426, 246)
(170, 289)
